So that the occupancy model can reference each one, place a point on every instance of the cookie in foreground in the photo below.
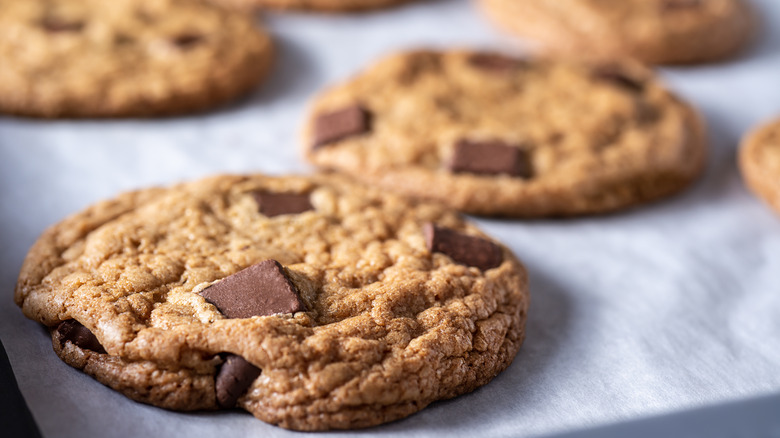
(759, 161)
(495, 135)
(653, 31)
(311, 302)
(126, 58)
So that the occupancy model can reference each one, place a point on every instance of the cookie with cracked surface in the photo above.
(347, 309)
(494, 135)
(653, 31)
(126, 58)
(759, 161)
(313, 5)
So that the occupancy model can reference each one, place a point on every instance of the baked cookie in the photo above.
(654, 31)
(313, 5)
(312, 303)
(494, 135)
(125, 58)
(759, 160)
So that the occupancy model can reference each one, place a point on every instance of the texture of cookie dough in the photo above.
(385, 325)
(653, 31)
(125, 58)
(759, 160)
(493, 135)
(313, 5)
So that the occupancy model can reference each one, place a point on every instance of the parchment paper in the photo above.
(666, 307)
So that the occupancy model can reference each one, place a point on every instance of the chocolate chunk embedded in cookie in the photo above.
(125, 58)
(493, 135)
(361, 309)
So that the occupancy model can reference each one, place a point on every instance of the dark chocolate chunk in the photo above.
(615, 76)
(462, 248)
(259, 290)
(669, 5)
(233, 379)
(274, 204)
(490, 157)
(56, 25)
(495, 63)
(338, 125)
(187, 40)
(72, 330)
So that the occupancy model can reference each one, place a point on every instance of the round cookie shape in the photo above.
(126, 58)
(759, 161)
(313, 5)
(653, 31)
(494, 135)
(311, 302)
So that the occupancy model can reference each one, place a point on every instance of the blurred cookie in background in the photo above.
(312, 5)
(126, 58)
(759, 161)
(500, 136)
(653, 31)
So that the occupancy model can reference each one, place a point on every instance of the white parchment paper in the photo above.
(662, 308)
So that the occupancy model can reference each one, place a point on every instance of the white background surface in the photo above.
(662, 308)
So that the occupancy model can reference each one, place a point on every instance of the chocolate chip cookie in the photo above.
(759, 160)
(495, 135)
(311, 302)
(125, 58)
(654, 31)
(313, 5)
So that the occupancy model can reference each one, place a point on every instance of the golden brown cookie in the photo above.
(125, 58)
(311, 302)
(493, 135)
(313, 5)
(654, 31)
(759, 160)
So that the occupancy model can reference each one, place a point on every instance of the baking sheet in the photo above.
(663, 308)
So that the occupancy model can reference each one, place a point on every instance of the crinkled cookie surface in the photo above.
(123, 58)
(494, 135)
(393, 313)
(653, 31)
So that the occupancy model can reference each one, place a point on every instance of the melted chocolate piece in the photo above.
(275, 204)
(233, 379)
(57, 25)
(490, 157)
(338, 125)
(80, 336)
(462, 248)
(495, 63)
(259, 290)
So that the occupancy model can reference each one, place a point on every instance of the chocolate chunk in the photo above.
(187, 40)
(338, 125)
(462, 248)
(495, 63)
(72, 330)
(233, 379)
(618, 77)
(259, 290)
(669, 5)
(274, 204)
(56, 25)
(490, 157)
